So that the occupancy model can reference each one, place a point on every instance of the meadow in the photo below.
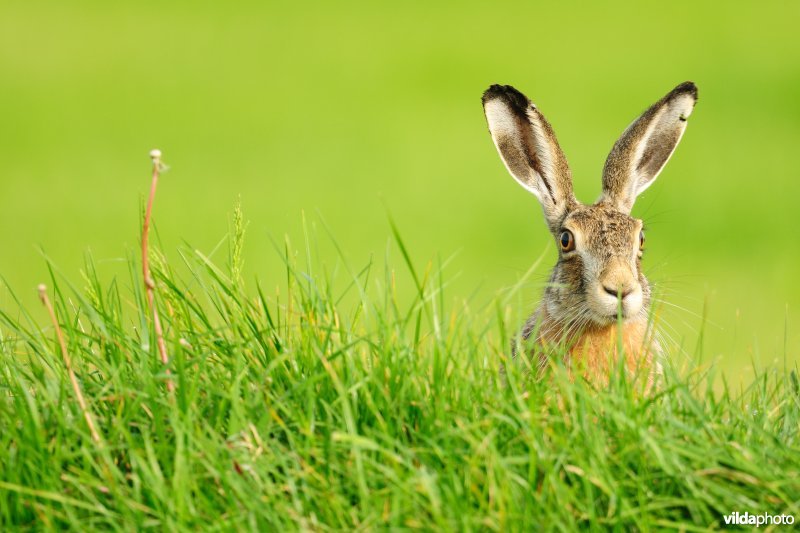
(339, 370)
(288, 412)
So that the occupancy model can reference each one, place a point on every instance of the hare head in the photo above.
(598, 275)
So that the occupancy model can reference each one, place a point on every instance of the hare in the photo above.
(597, 299)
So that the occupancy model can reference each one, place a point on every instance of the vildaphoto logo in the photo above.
(764, 519)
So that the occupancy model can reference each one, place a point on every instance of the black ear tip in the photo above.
(687, 87)
(508, 93)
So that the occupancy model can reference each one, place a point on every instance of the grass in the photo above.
(365, 104)
(332, 404)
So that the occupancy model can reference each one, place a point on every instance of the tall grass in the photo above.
(331, 403)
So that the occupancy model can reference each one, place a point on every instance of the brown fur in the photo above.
(593, 352)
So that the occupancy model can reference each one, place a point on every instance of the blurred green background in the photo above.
(346, 109)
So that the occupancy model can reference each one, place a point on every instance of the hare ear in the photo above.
(645, 147)
(529, 149)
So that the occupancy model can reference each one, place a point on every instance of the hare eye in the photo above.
(641, 240)
(567, 241)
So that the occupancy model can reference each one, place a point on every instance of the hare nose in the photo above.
(623, 292)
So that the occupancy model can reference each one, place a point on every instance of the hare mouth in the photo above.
(607, 319)
(615, 317)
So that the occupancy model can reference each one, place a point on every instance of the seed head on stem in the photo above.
(149, 283)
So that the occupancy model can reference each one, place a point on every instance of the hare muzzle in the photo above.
(617, 289)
